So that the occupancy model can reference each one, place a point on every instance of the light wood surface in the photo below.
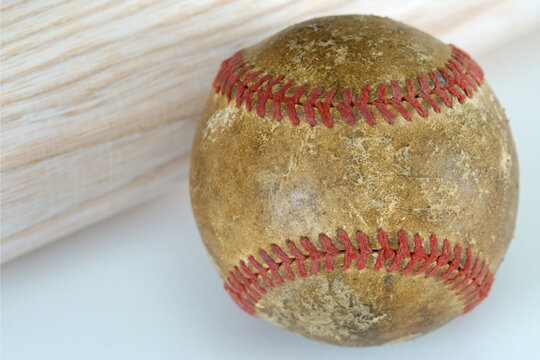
(100, 98)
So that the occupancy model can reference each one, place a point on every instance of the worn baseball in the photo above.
(354, 180)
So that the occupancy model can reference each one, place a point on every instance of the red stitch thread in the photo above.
(255, 87)
(286, 261)
(345, 107)
(417, 256)
(454, 265)
(411, 99)
(432, 256)
(265, 94)
(385, 253)
(330, 252)
(308, 106)
(262, 271)
(272, 266)
(299, 258)
(468, 275)
(324, 108)
(426, 92)
(381, 102)
(350, 252)
(471, 283)
(252, 278)
(240, 89)
(365, 250)
(362, 103)
(463, 271)
(402, 252)
(441, 260)
(253, 295)
(314, 254)
(280, 97)
(395, 101)
(460, 78)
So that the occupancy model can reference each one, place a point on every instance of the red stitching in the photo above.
(432, 256)
(365, 249)
(460, 78)
(417, 256)
(345, 107)
(385, 253)
(402, 252)
(395, 101)
(272, 266)
(362, 103)
(308, 106)
(381, 102)
(330, 252)
(314, 254)
(265, 94)
(246, 284)
(454, 265)
(463, 271)
(280, 97)
(299, 258)
(350, 252)
(324, 108)
(252, 278)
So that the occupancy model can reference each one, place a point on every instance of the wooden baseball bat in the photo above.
(100, 98)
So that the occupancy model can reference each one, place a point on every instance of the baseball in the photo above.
(354, 180)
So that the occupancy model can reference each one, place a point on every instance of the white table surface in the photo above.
(140, 286)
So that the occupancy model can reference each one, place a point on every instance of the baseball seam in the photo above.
(471, 279)
(458, 79)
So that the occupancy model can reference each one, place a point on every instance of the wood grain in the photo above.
(100, 98)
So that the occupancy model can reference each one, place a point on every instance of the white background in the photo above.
(140, 286)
